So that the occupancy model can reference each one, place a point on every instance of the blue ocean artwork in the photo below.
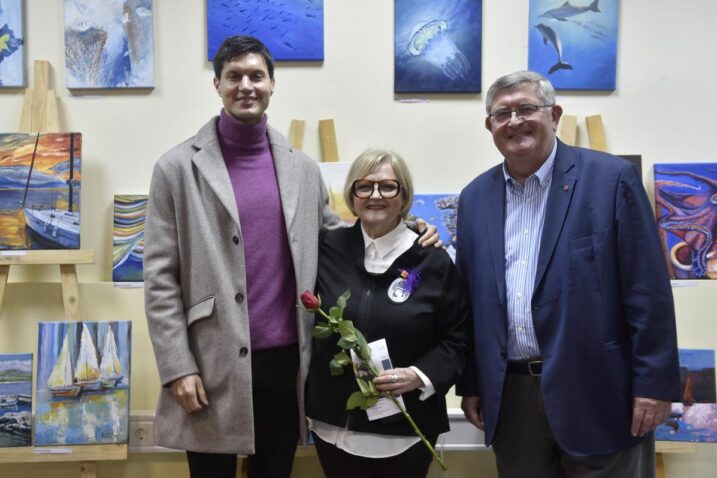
(437, 46)
(15, 400)
(109, 44)
(83, 383)
(12, 71)
(130, 211)
(573, 43)
(687, 218)
(292, 30)
(440, 210)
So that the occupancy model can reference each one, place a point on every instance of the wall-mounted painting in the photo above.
(15, 400)
(573, 43)
(292, 30)
(437, 46)
(440, 210)
(40, 185)
(12, 71)
(130, 212)
(334, 176)
(109, 44)
(83, 383)
(687, 218)
(695, 418)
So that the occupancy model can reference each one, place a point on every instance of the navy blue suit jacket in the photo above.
(602, 303)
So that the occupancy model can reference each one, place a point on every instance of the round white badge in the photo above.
(397, 292)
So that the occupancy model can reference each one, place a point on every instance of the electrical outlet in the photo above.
(141, 434)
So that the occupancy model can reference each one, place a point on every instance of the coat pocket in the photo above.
(201, 310)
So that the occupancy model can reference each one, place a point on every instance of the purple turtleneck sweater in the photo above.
(270, 281)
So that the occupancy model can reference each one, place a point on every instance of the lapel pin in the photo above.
(565, 187)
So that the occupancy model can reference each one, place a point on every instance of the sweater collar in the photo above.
(240, 133)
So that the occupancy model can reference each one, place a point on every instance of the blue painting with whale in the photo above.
(573, 43)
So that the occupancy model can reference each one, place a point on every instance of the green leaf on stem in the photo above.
(342, 358)
(343, 299)
(335, 313)
(347, 331)
(362, 348)
(356, 400)
(370, 402)
(335, 368)
(322, 331)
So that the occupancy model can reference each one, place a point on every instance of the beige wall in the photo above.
(663, 108)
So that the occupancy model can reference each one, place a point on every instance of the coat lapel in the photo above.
(495, 225)
(288, 174)
(561, 192)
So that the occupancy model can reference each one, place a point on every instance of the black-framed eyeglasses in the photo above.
(387, 188)
(521, 112)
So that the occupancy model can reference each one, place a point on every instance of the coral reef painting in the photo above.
(441, 210)
(83, 383)
(687, 218)
(437, 46)
(109, 44)
(12, 71)
(573, 43)
(40, 190)
(130, 212)
(15, 400)
(290, 29)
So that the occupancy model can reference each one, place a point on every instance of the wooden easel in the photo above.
(39, 114)
(567, 132)
(327, 136)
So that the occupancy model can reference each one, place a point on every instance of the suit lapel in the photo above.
(288, 174)
(495, 226)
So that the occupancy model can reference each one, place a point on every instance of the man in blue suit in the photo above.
(575, 353)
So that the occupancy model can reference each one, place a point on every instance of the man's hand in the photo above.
(472, 411)
(431, 236)
(647, 414)
(189, 393)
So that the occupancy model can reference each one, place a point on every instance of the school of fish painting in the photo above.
(574, 43)
(82, 385)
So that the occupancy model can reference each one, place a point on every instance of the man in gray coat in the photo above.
(231, 240)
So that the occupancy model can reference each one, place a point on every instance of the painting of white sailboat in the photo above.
(82, 386)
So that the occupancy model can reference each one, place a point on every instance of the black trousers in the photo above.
(276, 420)
(336, 463)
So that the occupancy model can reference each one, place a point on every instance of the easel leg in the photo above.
(70, 292)
(88, 470)
(244, 471)
(4, 273)
(660, 466)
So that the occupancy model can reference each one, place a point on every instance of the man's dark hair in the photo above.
(235, 46)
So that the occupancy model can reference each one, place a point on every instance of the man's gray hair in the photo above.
(543, 87)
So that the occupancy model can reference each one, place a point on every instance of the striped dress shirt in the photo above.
(524, 219)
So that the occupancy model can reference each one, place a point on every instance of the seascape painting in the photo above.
(334, 176)
(109, 44)
(15, 400)
(441, 210)
(292, 30)
(437, 46)
(83, 383)
(687, 218)
(573, 43)
(130, 211)
(12, 70)
(40, 190)
(695, 418)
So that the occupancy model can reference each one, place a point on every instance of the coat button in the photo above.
(235, 239)
(243, 352)
(239, 298)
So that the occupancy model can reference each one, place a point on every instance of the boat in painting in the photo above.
(8, 401)
(87, 371)
(110, 366)
(61, 382)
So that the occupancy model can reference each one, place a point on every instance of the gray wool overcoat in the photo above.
(195, 285)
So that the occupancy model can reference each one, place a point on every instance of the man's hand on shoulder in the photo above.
(189, 393)
(431, 236)
(647, 414)
(473, 412)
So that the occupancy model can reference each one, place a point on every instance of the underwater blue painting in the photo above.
(437, 46)
(687, 218)
(441, 210)
(109, 44)
(12, 71)
(15, 400)
(695, 418)
(130, 211)
(573, 43)
(83, 383)
(292, 30)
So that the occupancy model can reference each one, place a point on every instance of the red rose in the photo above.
(310, 301)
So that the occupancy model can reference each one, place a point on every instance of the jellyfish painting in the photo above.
(437, 46)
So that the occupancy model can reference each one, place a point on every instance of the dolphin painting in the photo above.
(549, 35)
(567, 10)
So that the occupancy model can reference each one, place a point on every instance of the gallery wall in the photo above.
(663, 108)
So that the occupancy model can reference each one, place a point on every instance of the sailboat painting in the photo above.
(82, 386)
(40, 190)
(15, 400)
(128, 237)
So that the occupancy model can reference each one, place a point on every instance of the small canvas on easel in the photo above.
(83, 383)
(15, 400)
(130, 212)
(40, 184)
(334, 176)
(695, 418)
(574, 43)
(12, 71)
(687, 218)
(440, 210)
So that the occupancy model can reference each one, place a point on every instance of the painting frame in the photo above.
(15, 400)
(12, 56)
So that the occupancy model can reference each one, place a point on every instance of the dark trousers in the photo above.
(336, 463)
(524, 445)
(276, 420)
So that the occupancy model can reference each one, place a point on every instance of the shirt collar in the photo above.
(387, 242)
(543, 174)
